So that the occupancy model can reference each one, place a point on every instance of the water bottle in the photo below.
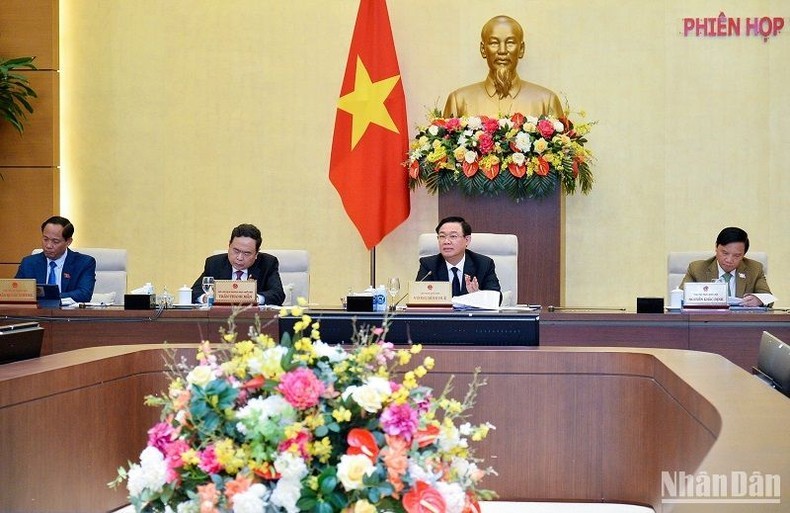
(380, 299)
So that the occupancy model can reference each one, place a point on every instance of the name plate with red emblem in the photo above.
(235, 292)
(17, 291)
(430, 293)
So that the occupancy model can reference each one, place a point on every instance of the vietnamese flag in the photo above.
(371, 137)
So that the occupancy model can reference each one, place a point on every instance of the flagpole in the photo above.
(373, 267)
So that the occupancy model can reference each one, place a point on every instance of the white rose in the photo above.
(453, 495)
(371, 394)
(352, 469)
(474, 123)
(285, 495)
(505, 123)
(518, 159)
(558, 126)
(200, 375)
(433, 130)
(470, 156)
(333, 353)
(523, 141)
(251, 500)
(532, 120)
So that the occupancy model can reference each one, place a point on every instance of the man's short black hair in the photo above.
(466, 227)
(68, 228)
(247, 230)
(733, 234)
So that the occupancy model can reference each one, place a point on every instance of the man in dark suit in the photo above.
(73, 273)
(743, 276)
(466, 270)
(244, 262)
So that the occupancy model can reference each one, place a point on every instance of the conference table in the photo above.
(734, 335)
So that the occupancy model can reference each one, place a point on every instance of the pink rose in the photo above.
(485, 143)
(301, 388)
(546, 128)
(453, 124)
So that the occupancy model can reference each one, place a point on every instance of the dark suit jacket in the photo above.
(76, 281)
(476, 265)
(749, 275)
(265, 269)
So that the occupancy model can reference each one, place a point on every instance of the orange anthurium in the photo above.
(427, 436)
(266, 471)
(471, 505)
(256, 382)
(516, 170)
(423, 498)
(491, 171)
(470, 169)
(543, 167)
(361, 441)
(414, 169)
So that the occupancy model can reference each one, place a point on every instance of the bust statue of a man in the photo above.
(502, 92)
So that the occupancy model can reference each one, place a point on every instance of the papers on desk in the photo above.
(766, 298)
(482, 300)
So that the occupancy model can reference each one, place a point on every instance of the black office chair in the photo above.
(773, 363)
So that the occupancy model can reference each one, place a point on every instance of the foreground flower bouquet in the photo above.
(303, 426)
(521, 156)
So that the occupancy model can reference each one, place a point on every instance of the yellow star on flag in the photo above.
(366, 103)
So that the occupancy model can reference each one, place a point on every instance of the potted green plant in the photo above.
(15, 91)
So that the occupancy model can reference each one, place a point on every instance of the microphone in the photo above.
(404, 297)
(583, 308)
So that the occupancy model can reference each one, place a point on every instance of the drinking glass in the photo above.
(208, 286)
(393, 288)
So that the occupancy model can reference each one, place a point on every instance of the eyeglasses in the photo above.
(453, 237)
(245, 254)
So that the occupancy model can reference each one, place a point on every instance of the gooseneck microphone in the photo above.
(404, 296)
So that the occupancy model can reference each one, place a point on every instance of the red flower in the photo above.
(254, 383)
(491, 171)
(414, 169)
(427, 436)
(517, 119)
(543, 167)
(486, 143)
(470, 169)
(490, 125)
(424, 499)
(453, 124)
(471, 505)
(576, 162)
(516, 170)
(546, 128)
(361, 441)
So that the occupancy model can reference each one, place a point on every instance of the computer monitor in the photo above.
(20, 341)
(773, 363)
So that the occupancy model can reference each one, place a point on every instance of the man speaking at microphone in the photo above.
(244, 262)
(466, 270)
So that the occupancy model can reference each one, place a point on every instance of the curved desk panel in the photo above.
(576, 424)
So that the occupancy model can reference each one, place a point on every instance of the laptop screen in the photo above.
(20, 342)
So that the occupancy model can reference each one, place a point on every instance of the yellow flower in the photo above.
(363, 506)
(415, 348)
(341, 414)
(301, 301)
(297, 311)
(283, 312)
(404, 357)
(420, 371)
(322, 449)
(429, 362)
(190, 457)
(459, 153)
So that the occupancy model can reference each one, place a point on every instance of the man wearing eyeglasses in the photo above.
(244, 261)
(74, 273)
(466, 270)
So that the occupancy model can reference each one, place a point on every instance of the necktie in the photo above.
(456, 282)
(727, 277)
(238, 274)
(52, 279)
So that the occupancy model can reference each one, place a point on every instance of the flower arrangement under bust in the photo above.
(304, 426)
(521, 156)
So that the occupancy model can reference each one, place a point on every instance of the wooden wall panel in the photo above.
(27, 197)
(30, 27)
(39, 144)
(7, 270)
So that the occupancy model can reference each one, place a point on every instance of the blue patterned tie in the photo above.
(456, 282)
(52, 279)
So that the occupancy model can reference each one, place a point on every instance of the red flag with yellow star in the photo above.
(371, 134)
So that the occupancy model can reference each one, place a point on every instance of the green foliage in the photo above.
(15, 91)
